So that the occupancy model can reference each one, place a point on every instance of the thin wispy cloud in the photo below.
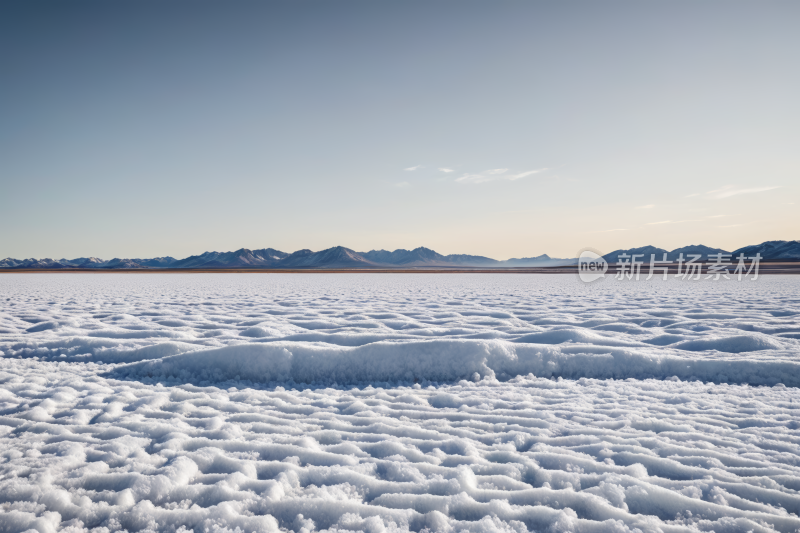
(648, 206)
(525, 174)
(671, 222)
(609, 230)
(727, 192)
(496, 174)
(446, 170)
(731, 226)
(402, 184)
(412, 169)
(474, 178)
(730, 190)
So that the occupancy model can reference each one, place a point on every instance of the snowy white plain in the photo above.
(382, 402)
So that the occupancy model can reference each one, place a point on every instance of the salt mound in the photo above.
(256, 362)
(738, 344)
(449, 361)
(574, 335)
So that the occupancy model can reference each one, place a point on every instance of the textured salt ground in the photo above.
(220, 409)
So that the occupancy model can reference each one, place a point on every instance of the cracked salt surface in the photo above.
(397, 402)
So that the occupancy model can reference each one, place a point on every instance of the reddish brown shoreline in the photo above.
(766, 267)
(552, 270)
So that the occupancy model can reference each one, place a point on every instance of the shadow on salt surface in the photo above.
(453, 360)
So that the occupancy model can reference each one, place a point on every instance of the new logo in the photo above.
(591, 266)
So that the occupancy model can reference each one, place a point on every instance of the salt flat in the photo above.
(374, 402)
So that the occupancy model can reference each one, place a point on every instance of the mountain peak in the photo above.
(772, 250)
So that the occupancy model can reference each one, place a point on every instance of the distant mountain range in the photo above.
(336, 257)
(344, 258)
(770, 250)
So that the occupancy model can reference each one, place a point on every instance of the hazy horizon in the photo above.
(504, 129)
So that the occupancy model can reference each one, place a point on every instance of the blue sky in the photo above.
(507, 129)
